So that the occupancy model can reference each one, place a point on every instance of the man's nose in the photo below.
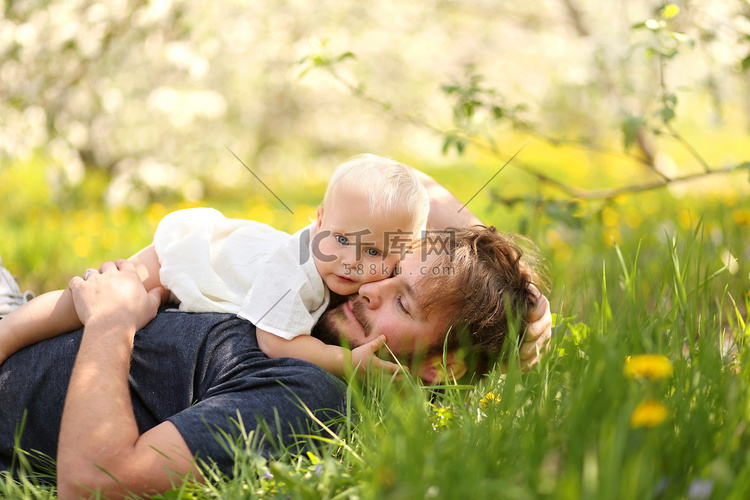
(373, 293)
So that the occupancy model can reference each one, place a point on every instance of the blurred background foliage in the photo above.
(113, 113)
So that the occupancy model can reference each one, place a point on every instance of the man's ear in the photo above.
(431, 370)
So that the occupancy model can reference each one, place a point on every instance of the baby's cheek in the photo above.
(388, 266)
(376, 270)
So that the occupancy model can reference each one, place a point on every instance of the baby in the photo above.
(373, 209)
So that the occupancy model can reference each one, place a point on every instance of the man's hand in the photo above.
(539, 331)
(116, 295)
(364, 357)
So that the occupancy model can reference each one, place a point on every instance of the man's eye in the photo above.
(401, 305)
(342, 239)
(373, 252)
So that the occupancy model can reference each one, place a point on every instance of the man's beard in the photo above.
(328, 329)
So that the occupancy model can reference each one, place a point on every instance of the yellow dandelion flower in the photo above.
(82, 246)
(648, 414)
(610, 217)
(488, 398)
(741, 217)
(652, 366)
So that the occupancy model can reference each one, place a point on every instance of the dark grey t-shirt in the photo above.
(199, 371)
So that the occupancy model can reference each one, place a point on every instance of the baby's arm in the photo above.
(44, 317)
(53, 313)
(334, 359)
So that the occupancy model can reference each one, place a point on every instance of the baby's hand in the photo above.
(364, 356)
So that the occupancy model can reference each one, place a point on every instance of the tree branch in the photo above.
(489, 146)
(606, 194)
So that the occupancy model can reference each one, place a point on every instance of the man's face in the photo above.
(390, 307)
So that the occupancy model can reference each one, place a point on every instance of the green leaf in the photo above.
(747, 166)
(453, 140)
(564, 213)
(682, 38)
(523, 225)
(468, 108)
(745, 64)
(666, 113)
(177, 495)
(455, 387)
(669, 53)
(314, 460)
(449, 140)
(630, 127)
(346, 55)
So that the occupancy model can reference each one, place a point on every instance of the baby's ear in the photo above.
(432, 372)
(319, 216)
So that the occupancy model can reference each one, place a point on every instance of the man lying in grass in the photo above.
(126, 404)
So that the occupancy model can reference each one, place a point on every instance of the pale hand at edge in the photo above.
(364, 356)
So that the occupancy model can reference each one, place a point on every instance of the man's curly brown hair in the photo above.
(483, 283)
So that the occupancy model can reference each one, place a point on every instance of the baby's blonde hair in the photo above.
(391, 186)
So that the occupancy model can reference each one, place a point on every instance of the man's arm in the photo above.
(100, 448)
(447, 211)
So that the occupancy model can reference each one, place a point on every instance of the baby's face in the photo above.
(352, 246)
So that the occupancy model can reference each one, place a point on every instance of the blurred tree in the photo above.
(150, 91)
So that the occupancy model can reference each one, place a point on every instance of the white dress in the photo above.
(214, 264)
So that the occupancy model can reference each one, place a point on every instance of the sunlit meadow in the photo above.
(643, 394)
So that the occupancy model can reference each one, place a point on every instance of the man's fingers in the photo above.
(528, 350)
(538, 329)
(119, 264)
(108, 266)
(541, 306)
(539, 318)
(124, 265)
(74, 281)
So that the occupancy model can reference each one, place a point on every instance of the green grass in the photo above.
(627, 282)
